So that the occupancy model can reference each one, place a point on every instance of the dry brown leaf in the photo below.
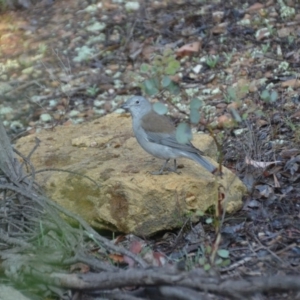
(83, 268)
(225, 121)
(288, 153)
(220, 28)
(147, 52)
(117, 258)
(155, 259)
(296, 115)
(176, 78)
(107, 5)
(260, 164)
(217, 16)
(285, 32)
(276, 182)
(255, 7)
(263, 33)
(136, 247)
(188, 49)
(295, 83)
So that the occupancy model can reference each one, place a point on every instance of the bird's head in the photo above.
(138, 106)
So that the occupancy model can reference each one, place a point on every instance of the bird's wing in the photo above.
(160, 130)
(152, 122)
(171, 141)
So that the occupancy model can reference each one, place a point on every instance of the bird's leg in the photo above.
(175, 168)
(160, 172)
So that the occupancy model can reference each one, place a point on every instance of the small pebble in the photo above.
(77, 120)
(99, 111)
(240, 131)
(45, 117)
(197, 69)
(132, 6)
(98, 103)
(74, 113)
(52, 103)
(28, 71)
(16, 126)
(6, 110)
(119, 111)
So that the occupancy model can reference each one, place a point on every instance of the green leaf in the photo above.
(207, 267)
(168, 53)
(183, 133)
(166, 81)
(202, 261)
(194, 107)
(145, 68)
(223, 253)
(173, 88)
(245, 89)
(231, 93)
(157, 61)
(218, 261)
(150, 86)
(265, 95)
(208, 249)
(172, 67)
(196, 103)
(155, 70)
(259, 113)
(245, 116)
(194, 116)
(235, 114)
(199, 213)
(160, 108)
(226, 262)
(274, 96)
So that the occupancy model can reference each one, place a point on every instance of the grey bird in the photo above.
(157, 135)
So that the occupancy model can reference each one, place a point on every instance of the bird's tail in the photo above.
(203, 162)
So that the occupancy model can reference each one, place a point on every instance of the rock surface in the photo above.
(128, 198)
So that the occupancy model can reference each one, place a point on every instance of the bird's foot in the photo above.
(165, 171)
(173, 170)
(161, 171)
(157, 172)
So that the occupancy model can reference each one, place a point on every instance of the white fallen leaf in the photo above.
(260, 164)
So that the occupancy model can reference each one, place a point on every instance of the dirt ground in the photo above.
(67, 62)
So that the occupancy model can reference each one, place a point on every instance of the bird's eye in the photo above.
(137, 102)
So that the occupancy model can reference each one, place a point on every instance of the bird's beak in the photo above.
(125, 106)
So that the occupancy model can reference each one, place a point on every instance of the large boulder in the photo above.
(127, 198)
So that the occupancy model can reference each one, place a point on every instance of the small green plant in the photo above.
(83, 54)
(183, 130)
(228, 58)
(271, 29)
(207, 258)
(269, 96)
(286, 12)
(92, 90)
(212, 61)
(42, 48)
(295, 128)
(25, 61)
(265, 48)
(159, 74)
(291, 39)
(230, 95)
